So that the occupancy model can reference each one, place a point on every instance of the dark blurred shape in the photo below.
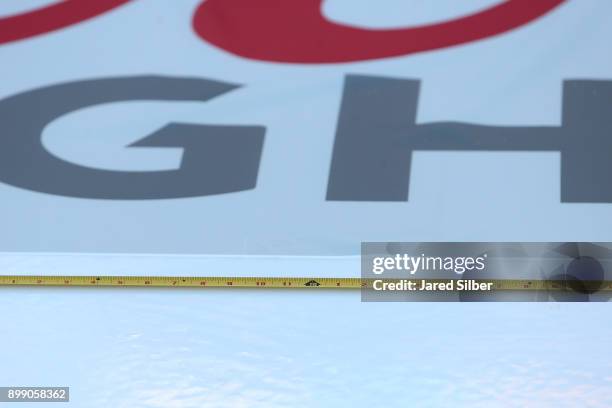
(584, 275)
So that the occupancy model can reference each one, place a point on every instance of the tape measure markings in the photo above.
(261, 282)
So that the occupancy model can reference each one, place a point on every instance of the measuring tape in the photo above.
(264, 282)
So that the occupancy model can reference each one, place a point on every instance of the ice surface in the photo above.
(214, 348)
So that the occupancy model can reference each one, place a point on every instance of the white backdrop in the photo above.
(511, 79)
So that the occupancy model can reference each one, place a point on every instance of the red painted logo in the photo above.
(52, 18)
(296, 30)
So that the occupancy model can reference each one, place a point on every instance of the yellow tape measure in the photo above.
(263, 282)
